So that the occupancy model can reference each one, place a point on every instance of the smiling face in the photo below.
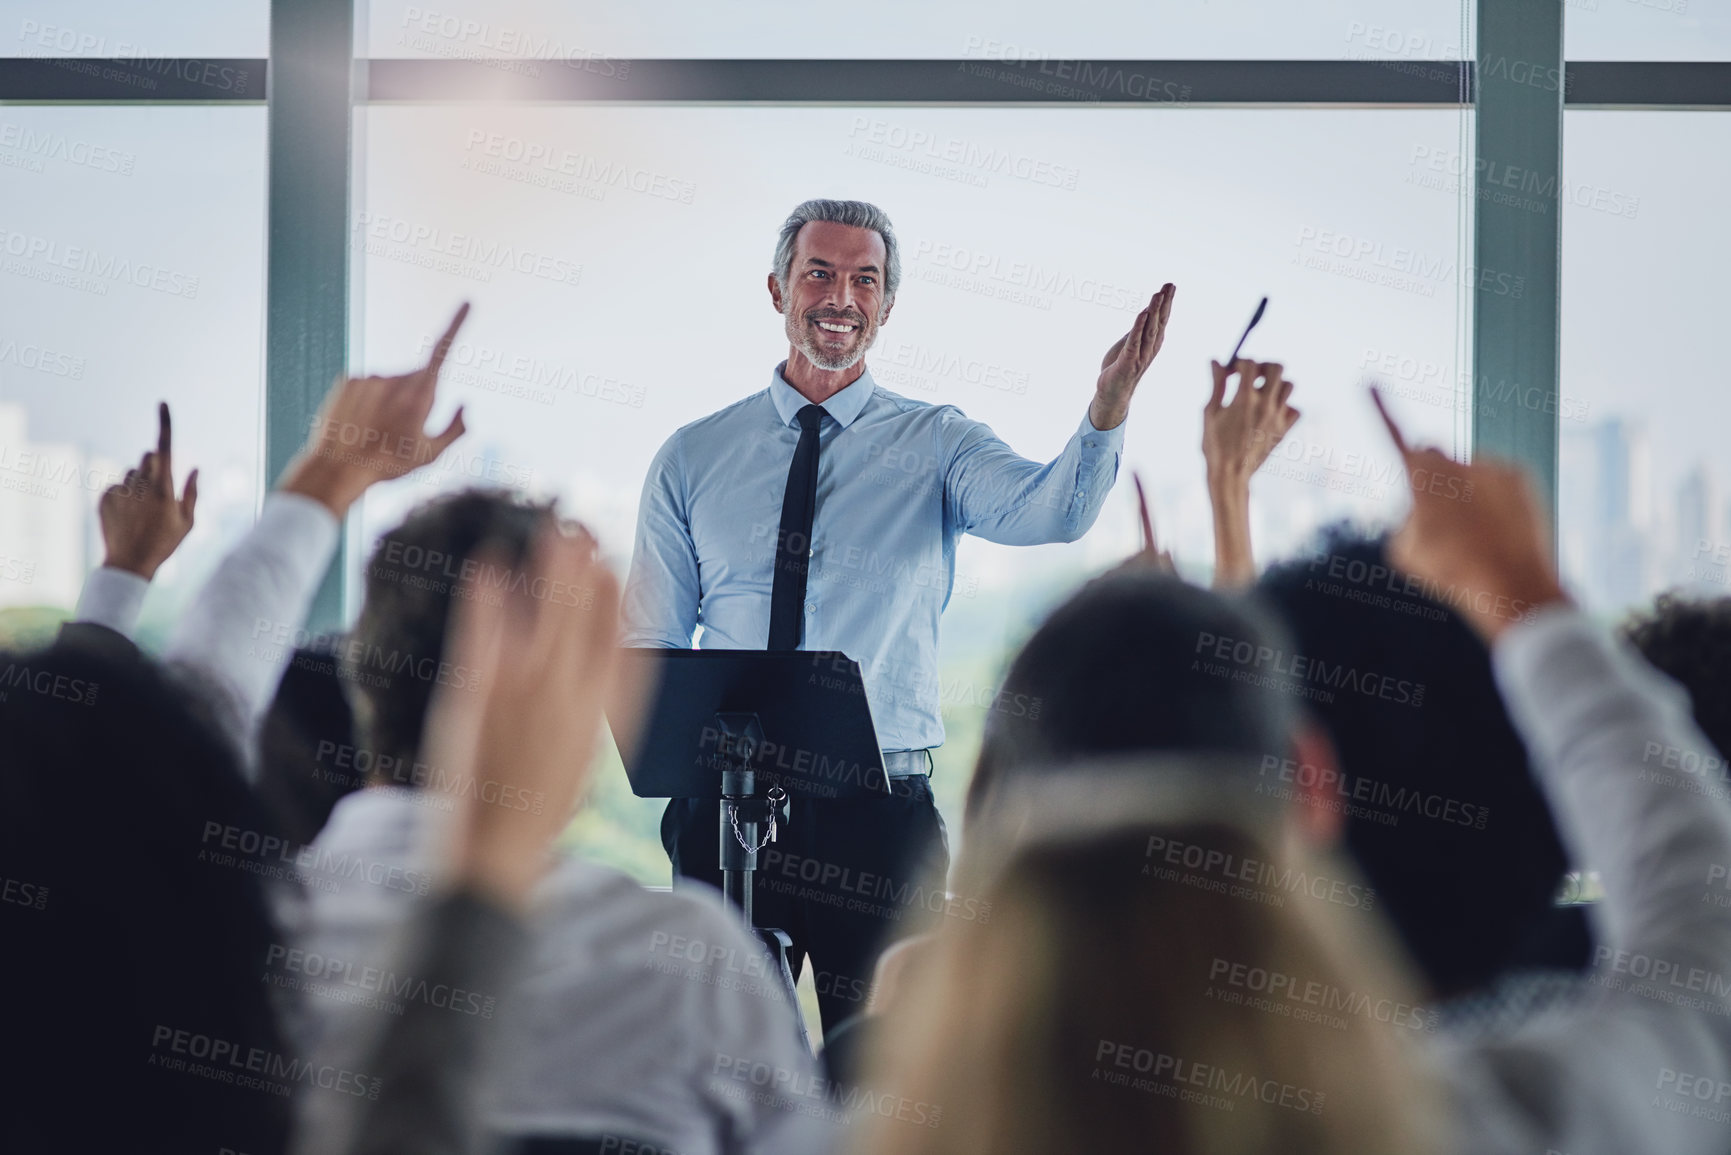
(834, 300)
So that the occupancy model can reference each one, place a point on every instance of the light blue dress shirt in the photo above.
(898, 481)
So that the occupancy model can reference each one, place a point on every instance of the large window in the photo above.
(1644, 478)
(615, 254)
(131, 272)
(1030, 238)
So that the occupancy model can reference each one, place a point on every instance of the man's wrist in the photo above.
(1501, 600)
(135, 566)
(330, 483)
(1107, 413)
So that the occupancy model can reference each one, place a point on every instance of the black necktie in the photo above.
(793, 546)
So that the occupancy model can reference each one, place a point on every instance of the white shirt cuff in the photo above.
(113, 598)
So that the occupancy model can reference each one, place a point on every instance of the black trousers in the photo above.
(844, 879)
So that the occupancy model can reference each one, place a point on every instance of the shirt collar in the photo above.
(844, 406)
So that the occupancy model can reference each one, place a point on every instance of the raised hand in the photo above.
(546, 655)
(1150, 558)
(1129, 358)
(143, 523)
(1238, 435)
(1476, 531)
(373, 429)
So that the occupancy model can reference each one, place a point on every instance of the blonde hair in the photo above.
(1110, 1002)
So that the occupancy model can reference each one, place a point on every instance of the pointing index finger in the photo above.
(1142, 509)
(1393, 429)
(162, 473)
(443, 348)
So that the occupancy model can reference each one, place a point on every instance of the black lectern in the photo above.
(749, 728)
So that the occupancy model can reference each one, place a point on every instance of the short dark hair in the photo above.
(394, 657)
(308, 759)
(1126, 666)
(1689, 639)
(1418, 723)
(135, 845)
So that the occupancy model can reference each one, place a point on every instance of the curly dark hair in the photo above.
(1689, 639)
(1466, 900)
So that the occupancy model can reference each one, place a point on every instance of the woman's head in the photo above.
(1136, 663)
(1119, 999)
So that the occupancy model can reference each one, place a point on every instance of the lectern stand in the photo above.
(750, 729)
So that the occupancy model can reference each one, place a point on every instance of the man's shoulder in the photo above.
(748, 409)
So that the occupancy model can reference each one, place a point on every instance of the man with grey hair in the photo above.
(822, 513)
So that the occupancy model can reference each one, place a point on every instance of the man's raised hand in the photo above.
(373, 429)
(1129, 358)
(1475, 530)
(143, 522)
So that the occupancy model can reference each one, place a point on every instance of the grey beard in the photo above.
(806, 343)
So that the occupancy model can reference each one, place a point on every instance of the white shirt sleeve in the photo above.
(1644, 1064)
(113, 598)
(239, 633)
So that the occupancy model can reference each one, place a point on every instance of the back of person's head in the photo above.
(135, 922)
(1112, 1004)
(1134, 663)
(1689, 639)
(307, 754)
(1442, 814)
(394, 657)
